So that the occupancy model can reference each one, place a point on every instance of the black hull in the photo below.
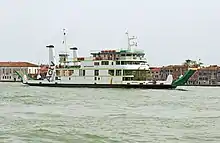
(151, 86)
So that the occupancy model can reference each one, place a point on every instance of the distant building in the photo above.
(43, 70)
(155, 71)
(218, 76)
(175, 70)
(194, 79)
(204, 76)
(209, 75)
(13, 71)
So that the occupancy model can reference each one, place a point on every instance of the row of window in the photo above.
(124, 78)
(6, 77)
(97, 78)
(112, 72)
(119, 63)
(203, 78)
(96, 72)
(118, 72)
(200, 82)
(5, 71)
(103, 63)
(10, 71)
(207, 73)
(129, 62)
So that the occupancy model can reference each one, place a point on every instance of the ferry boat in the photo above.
(120, 68)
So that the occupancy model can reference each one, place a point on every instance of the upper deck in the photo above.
(133, 55)
(107, 58)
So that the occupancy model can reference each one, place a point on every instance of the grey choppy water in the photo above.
(37, 114)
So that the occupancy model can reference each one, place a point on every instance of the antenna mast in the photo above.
(129, 47)
(65, 45)
(64, 40)
(134, 43)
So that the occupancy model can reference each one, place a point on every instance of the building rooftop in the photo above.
(174, 66)
(155, 69)
(17, 64)
(211, 68)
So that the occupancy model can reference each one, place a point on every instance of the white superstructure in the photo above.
(128, 66)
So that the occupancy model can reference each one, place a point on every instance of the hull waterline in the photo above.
(149, 86)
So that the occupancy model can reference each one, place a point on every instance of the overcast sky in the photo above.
(169, 31)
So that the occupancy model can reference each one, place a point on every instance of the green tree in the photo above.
(192, 63)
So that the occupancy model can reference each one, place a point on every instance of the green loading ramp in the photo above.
(182, 80)
(21, 75)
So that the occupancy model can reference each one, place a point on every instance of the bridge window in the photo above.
(81, 73)
(84, 72)
(105, 63)
(118, 72)
(96, 72)
(111, 72)
(96, 63)
(117, 62)
(127, 72)
(127, 78)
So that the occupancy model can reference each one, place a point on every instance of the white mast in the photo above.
(65, 46)
(134, 43)
(64, 40)
(129, 48)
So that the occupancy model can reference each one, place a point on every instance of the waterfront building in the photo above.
(155, 71)
(12, 71)
(204, 76)
(43, 70)
(194, 79)
(209, 75)
(175, 70)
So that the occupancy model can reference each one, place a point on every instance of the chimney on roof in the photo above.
(52, 61)
(75, 53)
